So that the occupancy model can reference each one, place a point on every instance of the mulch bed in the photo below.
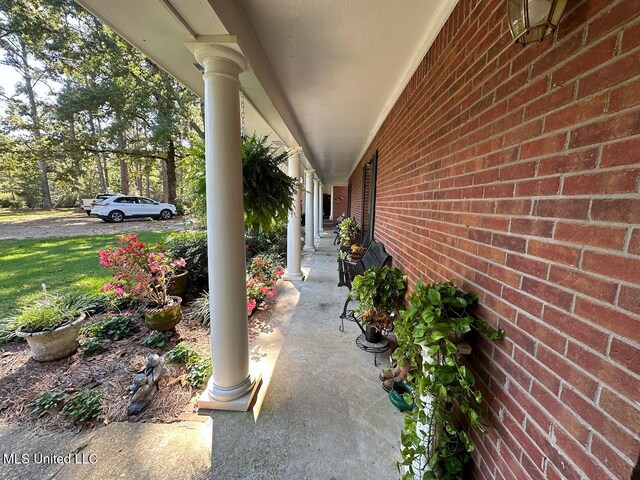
(22, 378)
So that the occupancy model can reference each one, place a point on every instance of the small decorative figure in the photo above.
(145, 384)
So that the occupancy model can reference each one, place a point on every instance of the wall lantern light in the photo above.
(531, 20)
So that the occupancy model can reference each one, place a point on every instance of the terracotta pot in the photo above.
(164, 318)
(54, 344)
(178, 284)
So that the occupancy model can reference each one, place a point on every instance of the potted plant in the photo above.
(436, 318)
(50, 327)
(143, 273)
(348, 231)
(356, 253)
(380, 292)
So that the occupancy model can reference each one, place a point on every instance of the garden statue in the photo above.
(145, 384)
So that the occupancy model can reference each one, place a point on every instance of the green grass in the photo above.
(58, 262)
(11, 215)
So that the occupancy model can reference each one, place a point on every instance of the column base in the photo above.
(292, 276)
(307, 248)
(240, 404)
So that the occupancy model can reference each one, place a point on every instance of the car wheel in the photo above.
(166, 214)
(116, 216)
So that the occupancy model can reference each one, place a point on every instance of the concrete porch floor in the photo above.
(323, 413)
(320, 414)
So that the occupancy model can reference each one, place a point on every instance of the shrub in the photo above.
(84, 406)
(48, 400)
(8, 201)
(192, 246)
(68, 200)
(181, 353)
(38, 318)
(261, 243)
(112, 328)
(52, 311)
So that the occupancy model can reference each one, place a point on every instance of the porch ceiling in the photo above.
(324, 73)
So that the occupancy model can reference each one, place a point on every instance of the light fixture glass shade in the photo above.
(532, 20)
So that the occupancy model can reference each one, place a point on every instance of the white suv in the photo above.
(116, 209)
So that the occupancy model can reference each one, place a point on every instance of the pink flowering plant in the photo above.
(140, 272)
(262, 275)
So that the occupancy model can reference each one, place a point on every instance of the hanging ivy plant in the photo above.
(433, 444)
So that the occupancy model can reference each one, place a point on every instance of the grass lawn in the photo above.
(58, 262)
(11, 215)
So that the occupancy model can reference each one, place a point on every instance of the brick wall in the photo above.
(516, 171)
(339, 201)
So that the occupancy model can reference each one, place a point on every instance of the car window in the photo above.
(125, 200)
(145, 201)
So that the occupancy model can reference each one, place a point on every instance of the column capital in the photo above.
(218, 54)
(295, 151)
(309, 171)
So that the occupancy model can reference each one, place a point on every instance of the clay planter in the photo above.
(178, 284)
(164, 318)
(396, 396)
(54, 344)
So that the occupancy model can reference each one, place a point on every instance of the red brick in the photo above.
(612, 19)
(570, 373)
(584, 234)
(541, 332)
(600, 422)
(547, 292)
(591, 57)
(519, 170)
(586, 284)
(629, 298)
(509, 242)
(556, 55)
(626, 96)
(617, 127)
(543, 146)
(602, 183)
(523, 133)
(578, 454)
(624, 210)
(577, 112)
(621, 409)
(532, 226)
(621, 153)
(609, 75)
(634, 243)
(571, 162)
(513, 207)
(575, 328)
(526, 303)
(617, 465)
(562, 208)
(554, 252)
(535, 188)
(505, 276)
(528, 265)
(625, 354)
(605, 371)
(631, 38)
(624, 268)
(501, 190)
(556, 98)
(614, 320)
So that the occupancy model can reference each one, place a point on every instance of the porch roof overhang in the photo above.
(323, 74)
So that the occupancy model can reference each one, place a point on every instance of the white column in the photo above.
(231, 387)
(321, 207)
(316, 207)
(293, 271)
(308, 211)
(331, 207)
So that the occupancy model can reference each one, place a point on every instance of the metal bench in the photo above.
(374, 256)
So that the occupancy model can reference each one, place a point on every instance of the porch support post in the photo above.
(331, 207)
(308, 211)
(321, 208)
(231, 387)
(316, 208)
(293, 271)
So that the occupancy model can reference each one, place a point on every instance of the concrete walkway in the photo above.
(324, 414)
(320, 414)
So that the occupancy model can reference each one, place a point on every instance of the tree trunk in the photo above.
(124, 171)
(165, 180)
(105, 168)
(147, 173)
(139, 177)
(171, 172)
(103, 184)
(42, 166)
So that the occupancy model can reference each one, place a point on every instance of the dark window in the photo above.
(145, 201)
(369, 174)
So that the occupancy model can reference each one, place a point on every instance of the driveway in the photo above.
(76, 224)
